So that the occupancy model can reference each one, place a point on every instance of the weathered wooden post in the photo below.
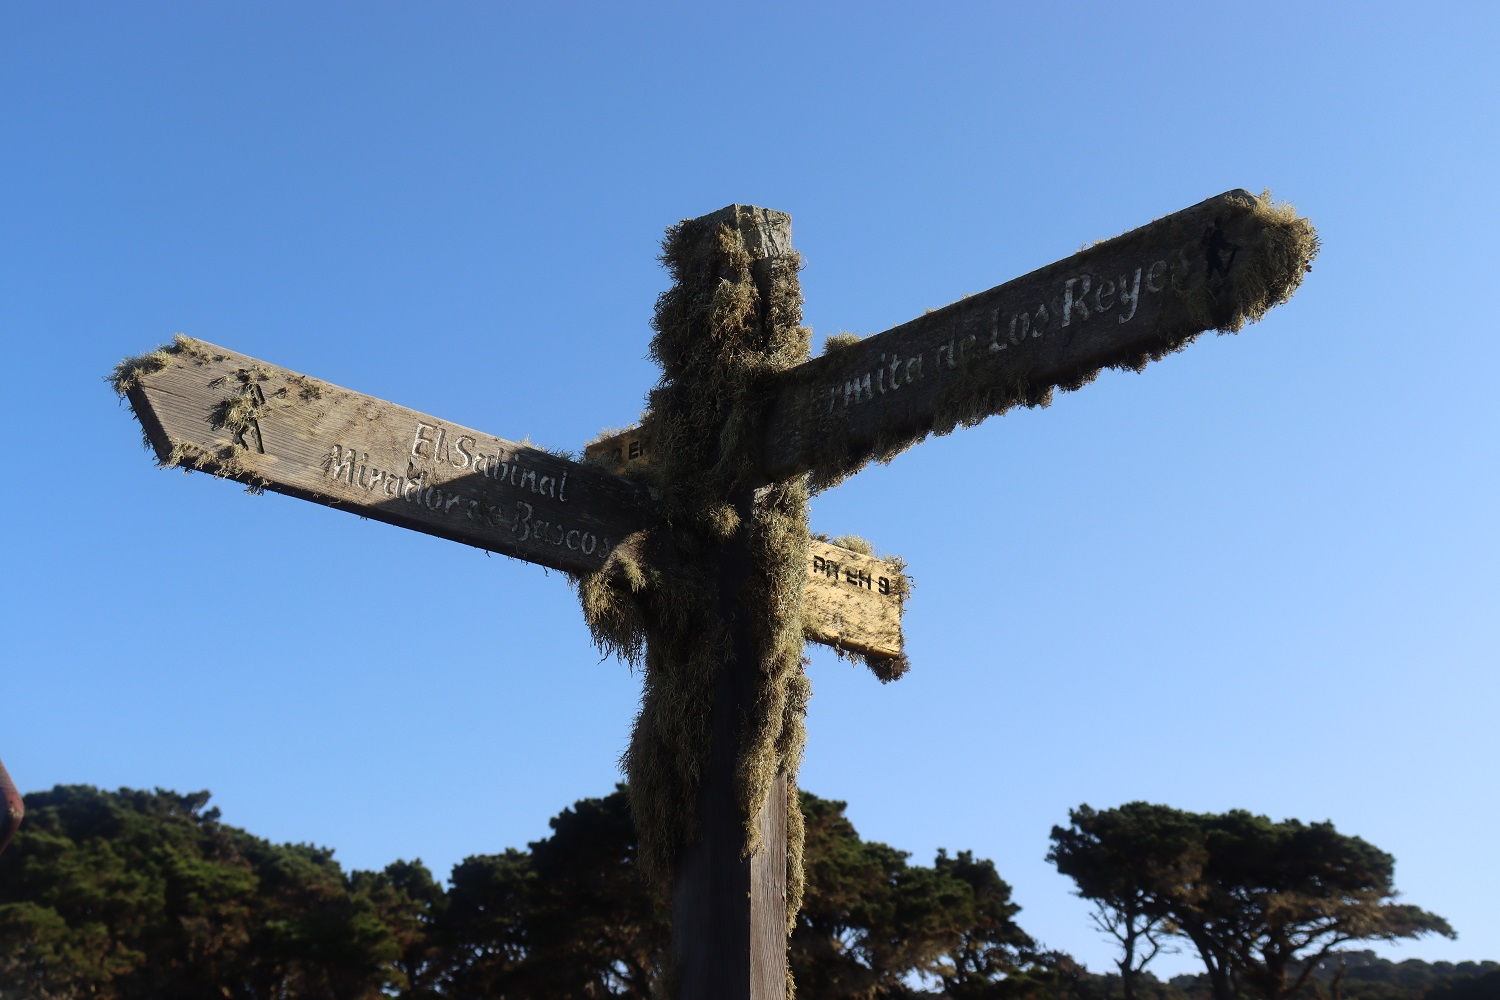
(730, 323)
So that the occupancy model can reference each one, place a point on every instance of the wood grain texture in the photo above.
(1114, 303)
(852, 600)
(233, 415)
(768, 935)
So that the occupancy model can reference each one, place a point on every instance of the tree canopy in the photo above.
(130, 894)
(1262, 902)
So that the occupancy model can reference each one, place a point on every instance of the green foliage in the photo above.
(871, 921)
(575, 919)
(133, 895)
(145, 894)
(571, 918)
(1363, 975)
(593, 925)
(482, 933)
(1485, 986)
(1263, 903)
(410, 904)
(1124, 860)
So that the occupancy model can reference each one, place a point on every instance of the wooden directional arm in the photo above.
(209, 408)
(1119, 303)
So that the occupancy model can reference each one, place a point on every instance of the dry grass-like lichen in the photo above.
(226, 462)
(663, 598)
(839, 341)
(129, 372)
(237, 413)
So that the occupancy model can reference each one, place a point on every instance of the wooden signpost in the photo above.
(1121, 303)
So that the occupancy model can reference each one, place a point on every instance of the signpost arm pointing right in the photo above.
(1118, 304)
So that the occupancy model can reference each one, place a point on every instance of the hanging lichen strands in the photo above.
(236, 413)
(128, 373)
(726, 324)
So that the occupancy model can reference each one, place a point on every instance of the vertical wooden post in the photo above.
(729, 910)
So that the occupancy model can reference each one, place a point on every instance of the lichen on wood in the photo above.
(237, 413)
(854, 543)
(226, 462)
(840, 341)
(129, 372)
(1232, 258)
(127, 375)
(727, 324)
(1275, 275)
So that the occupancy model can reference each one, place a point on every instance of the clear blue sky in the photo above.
(1261, 574)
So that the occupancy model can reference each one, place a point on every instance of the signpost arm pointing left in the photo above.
(209, 408)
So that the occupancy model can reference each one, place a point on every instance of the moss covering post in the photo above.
(711, 599)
